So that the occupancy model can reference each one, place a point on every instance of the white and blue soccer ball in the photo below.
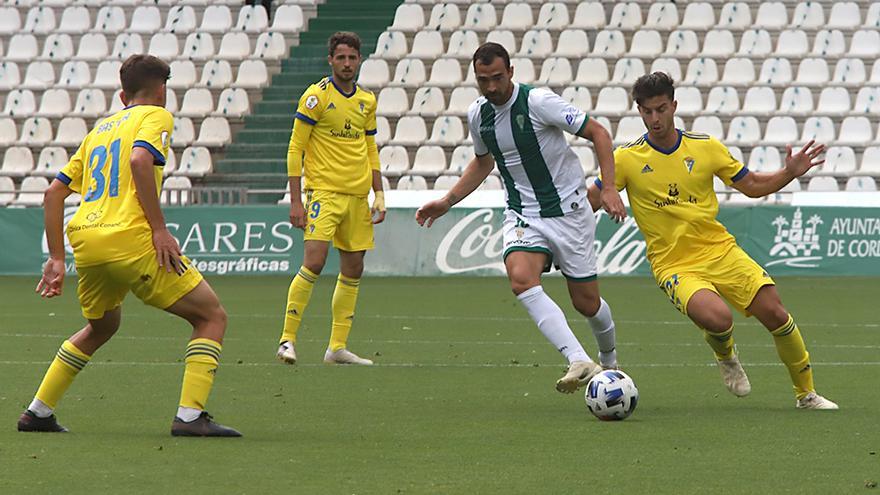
(612, 395)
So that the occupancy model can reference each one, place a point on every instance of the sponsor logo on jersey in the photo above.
(647, 169)
(331, 106)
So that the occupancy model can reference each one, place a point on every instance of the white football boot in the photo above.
(816, 401)
(578, 374)
(734, 376)
(286, 353)
(344, 356)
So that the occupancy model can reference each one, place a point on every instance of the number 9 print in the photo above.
(315, 207)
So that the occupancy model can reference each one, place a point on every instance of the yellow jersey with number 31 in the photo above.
(672, 196)
(110, 224)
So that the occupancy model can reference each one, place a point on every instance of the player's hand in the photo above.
(168, 252)
(378, 209)
(298, 214)
(805, 159)
(53, 278)
(612, 204)
(429, 212)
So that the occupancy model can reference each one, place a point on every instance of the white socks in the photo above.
(551, 321)
(40, 409)
(603, 329)
(188, 414)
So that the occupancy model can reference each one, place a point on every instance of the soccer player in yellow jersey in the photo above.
(668, 176)
(120, 244)
(333, 157)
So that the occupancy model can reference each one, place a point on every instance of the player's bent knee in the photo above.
(520, 286)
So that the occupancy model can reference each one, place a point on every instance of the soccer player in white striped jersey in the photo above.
(547, 221)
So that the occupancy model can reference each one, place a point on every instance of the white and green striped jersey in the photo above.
(542, 175)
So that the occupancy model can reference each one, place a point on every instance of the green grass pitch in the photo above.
(462, 401)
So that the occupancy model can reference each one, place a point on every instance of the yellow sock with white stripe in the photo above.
(202, 358)
(721, 343)
(344, 301)
(793, 353)
(68, 362)
(297, 299)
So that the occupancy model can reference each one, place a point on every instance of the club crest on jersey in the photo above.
(520, 233)
(689, 163)
(647, 169)
(520, 121)
(362, 107)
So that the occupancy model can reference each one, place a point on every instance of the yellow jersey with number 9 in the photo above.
(110, 224)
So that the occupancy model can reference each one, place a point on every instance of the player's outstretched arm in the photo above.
(167, 250)
(51, 282)
(608, 196)
(759, 184)
(474, 174)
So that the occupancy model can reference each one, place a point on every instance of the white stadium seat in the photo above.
(40, 20)
(214, 132)
(197, 102)
(771, 15)
(536, 44)
(808, 15)
(709, 124)
(58, 48)
(74, 20)
(765, 159)
(646, 43)
(39, 75)
(460, 99)
(553, 15)
(867, 100)
(443, 183)
(373, 73)
(865, 43)
(446, 73)
(90, 103)
(690, 100)
(840, 160)
(427, 45)
(670, 66)
(409, 73)
(447, 131)
(503, 37)
(517, 16)
(796, 100)
(216, 19)
(391, 45)
(234, 46)
(682, 44)
(428, 101)
(252, 19)
(22, 48)
(52, 159)
(71, 132)
(195, 162)
(792, 43)
(461, 157)
(812, 72)
(612, 101)
(718, 43)
(819, 128)
(36, 131)
(625, 16)
(392, 102)
(8, 131)
(146, 19)
(126, 45)
(628, 129)
(288, 19)
(183, 133)
(233, 102)
(589, 15)
(844, 15)
(411, 131)
(182, 19)
(579, 97)
(10, 20)
(744, 131)
(394, 160)
(776, 72)
(31, 191)
(572, 43)
(591, 72)
(93, 47)
(54, 103)
(701, 72)
(7, 190)
(780, 131)
(849, 72)
(735, 16)
(412, 183)
(20, 103)
(722, 100)
(429, 161)
(523, 69)
(10, 75)
(18, 161)
(74, 75)
(407, 18)
(107, 74)
(698, 16)
(822, 184)
(462, 44)
(444, 17)
(252, 74)
(555, 72)
(480, 17)
(110, 19)
(834, 100)
(627, 70)
(662, 16)
(861, 184)
(164, 46)
(609, 44)
(755, 43)
(271, 46)
(183, 74)
(855, 131)
(198, 46)
(176, 191)
(829, 43)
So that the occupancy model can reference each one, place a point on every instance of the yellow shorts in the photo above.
(103, 287)
(342, 218)
(735, 276)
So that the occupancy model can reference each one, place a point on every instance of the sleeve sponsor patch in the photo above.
(311, 102)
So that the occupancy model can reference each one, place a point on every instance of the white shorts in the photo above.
(568, 240)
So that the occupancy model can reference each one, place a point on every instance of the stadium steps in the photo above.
(257, 157)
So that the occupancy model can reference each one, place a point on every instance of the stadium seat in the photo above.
(20, 103)
(627, 70)
(867, 100)
(871, 161)
(430, 161)
(735, 16)
(771, 15)
(829, 43)
(504, 38)
(555, 72)
(443, 183)
(392, 102)
(93, 47)
(460, 99)
(777, 72)
(444, 17)
(176, 191)
(609, 44)
(110, 19)
(288, 19)
(682, 44)
(780, 131)
(39, 20)
(865, 44)
(74, 20)
(702, 72)
(71, 132)
(7, 190)
(195, 162)
(391, 45)
(54, 103)
(872, 17)
(116, 101)
(765, 159)
(628, 129)
(214, 132)
(840, 161)
(427, 45)
(448, 131)
(722, 100)
(252, 74)
(646, 43)
(589, 15)
(844, 15)
(126, 45)
(690, 100)
(517, 16)
(708, 124)
(408, 18)
(36, 131)
(490, 183)
(822, 184)
(90, 103)
(31, 191)
(536, 44)
(74, 75)
(834, 100)
(572, 43)
(18, 161)
(373, 73)
(146, 19)
(612, 101)
(181, 19)
(183, 133)
(553, 15)
(394, 161)
(233, 102)
(744, 131)
(480, 17)
(445, 73)
(410, 131)
(463, 44)
(252, 19)
(849, 72)
(819, 128)
(8, 132)
(164, 46)
(662, 16)
(718, 43)
(183, 74)
(853, 184)
(428, 101)
(808, 15)
(237, 46)
(855, 131)
(812, 72)
(197, 102)
(39, 75)
(22, 48)
(796, 100)
(10, 76)
(670, 66)
(170, 164)
(738, 71)
(10, 21)
(698, 16)
(412, 183)
(52, 159)
(107, 74)
(216, 19)
(792, 43)
(625, 16)
(524, 70)
(461, 157)
(58, 48)
(409, 73)
(755, 43)
(198, 46)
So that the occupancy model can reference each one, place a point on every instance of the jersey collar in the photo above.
(663, 150)
(343, 93)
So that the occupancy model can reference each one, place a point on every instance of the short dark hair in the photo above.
(141, 71)
(651, 85)
(487, 52)
(344, 38)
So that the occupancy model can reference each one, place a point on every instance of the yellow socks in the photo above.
(721, 343)
(297, 299)
(202, 358)
(344, 300)
(793, 353)
(67, 363)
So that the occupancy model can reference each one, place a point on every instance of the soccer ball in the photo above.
(611, 395)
